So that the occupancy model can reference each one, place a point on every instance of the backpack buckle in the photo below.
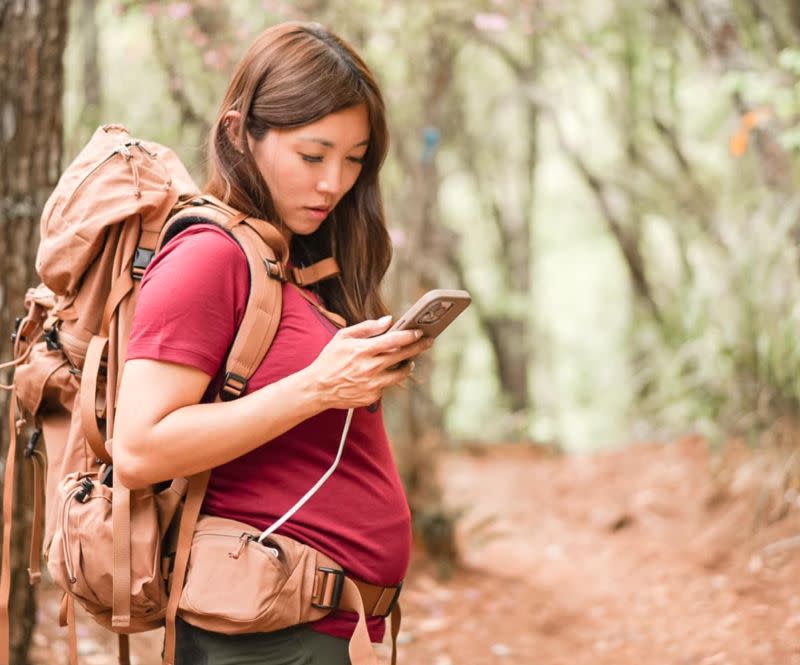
(30, 448)
(51, 339)
(141, 260)
(233, 386)
(17, 324)
(275, 270)
(85, 491)
(330, 593)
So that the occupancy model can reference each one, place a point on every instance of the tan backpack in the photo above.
(117, 552)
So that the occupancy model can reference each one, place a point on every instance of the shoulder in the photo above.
(202, 269)
(192, 299)
(201, 249)
(204, 236)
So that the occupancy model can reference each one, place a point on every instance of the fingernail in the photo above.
(385, 319)
(417, 333)
(411, 367)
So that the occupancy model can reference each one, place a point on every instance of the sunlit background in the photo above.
(615, 183)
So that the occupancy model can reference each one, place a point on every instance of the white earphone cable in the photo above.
(288, 514)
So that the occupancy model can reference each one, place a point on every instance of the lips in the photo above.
(318, 214)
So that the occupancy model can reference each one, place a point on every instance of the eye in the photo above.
(313, 159)
(357, 160)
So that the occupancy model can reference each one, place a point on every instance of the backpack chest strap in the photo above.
(315, 273)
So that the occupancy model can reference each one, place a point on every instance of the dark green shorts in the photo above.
(298, 645)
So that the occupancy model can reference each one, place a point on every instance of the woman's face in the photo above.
(309, 169)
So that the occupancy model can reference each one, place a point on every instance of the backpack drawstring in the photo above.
(124, 150)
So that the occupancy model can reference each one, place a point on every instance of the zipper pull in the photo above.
(243, 539)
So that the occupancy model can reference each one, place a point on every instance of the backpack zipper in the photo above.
(243, 540)
(85, 490)
(122, 149)
(72, 196)
(65, 538)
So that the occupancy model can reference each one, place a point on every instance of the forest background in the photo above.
(615, 182)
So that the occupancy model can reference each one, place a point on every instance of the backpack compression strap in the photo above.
(27, 327)
(8, 516)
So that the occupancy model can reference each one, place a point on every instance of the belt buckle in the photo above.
(338, 586)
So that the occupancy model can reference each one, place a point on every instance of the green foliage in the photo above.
(608, 132)
(728, 359)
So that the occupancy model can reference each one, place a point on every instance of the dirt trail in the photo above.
(618, 558)
(621, 558)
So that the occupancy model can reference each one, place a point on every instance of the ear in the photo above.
(231, 124)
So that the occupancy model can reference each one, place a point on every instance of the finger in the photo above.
(392, 377)
(411, 378)
(394, 340)
(398, 356)
(368, 328)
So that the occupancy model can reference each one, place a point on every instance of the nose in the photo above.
(331, 181)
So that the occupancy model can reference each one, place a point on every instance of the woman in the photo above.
(299, 141)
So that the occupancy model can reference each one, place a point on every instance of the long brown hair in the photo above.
(295, 74)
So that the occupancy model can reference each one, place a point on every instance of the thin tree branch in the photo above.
(701, 40)
(501, 50)
(175, 86)
(762, 14)
(626, 239)
(794, 15)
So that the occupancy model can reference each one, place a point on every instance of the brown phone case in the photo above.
(434, 311)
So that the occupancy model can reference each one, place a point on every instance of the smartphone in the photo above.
(434, 311)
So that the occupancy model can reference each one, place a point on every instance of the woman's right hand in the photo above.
(360, 362)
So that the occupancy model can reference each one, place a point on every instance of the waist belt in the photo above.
(379, 601)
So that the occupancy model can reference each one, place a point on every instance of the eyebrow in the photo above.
(327, 143)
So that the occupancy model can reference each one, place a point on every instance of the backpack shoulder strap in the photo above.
(261, 317)
(262, 313)
(267, 253)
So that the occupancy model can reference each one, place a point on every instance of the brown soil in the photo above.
(645, 555)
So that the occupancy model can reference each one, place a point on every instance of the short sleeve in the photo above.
(192, 300)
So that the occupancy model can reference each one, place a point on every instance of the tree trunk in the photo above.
(92, 84)
(510, 336)
(508, 331)
(794, 14)
(416, 419)
(32, 40)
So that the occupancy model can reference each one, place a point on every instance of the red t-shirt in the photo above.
(192, 299)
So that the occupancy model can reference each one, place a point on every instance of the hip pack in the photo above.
(125, 555)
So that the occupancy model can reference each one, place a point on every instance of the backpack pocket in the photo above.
(81, 553)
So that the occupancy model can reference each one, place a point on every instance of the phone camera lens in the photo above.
(434, 313)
